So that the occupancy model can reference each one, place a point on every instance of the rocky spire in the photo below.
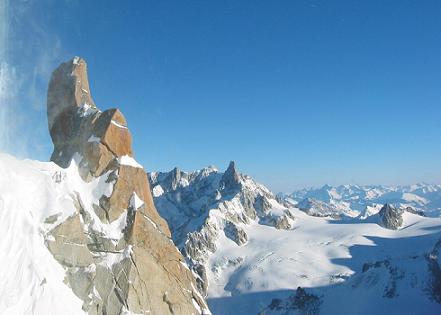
(150, 275)
(231, 178)
(68, 90)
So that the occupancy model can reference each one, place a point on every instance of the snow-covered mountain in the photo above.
(258, 253)
(203, 206)
(353, 200)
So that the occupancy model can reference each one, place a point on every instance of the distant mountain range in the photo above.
(354, 200)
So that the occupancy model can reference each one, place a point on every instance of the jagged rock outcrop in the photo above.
(301, 302)
(236, 233)
(415, 211)
(390, 217)
(116, 249)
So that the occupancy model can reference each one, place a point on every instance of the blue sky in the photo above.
(298, 93)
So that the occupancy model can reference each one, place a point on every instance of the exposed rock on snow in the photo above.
(115, 246)
(236, 234)
(301, 302)
(391, 218)
(414, 211)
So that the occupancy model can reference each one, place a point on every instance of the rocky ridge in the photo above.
(116, 248)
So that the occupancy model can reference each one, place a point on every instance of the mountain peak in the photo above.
(68, 88)
(231, 177)
(100, 143)
(391, 217)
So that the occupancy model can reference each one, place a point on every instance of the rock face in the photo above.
(116, 249)
(391, 218)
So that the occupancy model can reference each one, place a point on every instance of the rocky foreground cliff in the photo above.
(116, 249)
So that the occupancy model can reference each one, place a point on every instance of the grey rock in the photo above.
(391, 218)
(301, 302)
(188, 201)
(236, 234)
(231, 178)
(415, 211)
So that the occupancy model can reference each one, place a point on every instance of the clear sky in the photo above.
(298, 93)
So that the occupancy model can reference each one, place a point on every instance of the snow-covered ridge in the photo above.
(203, 206)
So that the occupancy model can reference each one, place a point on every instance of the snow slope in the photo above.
(329, 258)
(31, 279)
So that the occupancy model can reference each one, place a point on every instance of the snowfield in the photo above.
(327, 257)
(31, 279)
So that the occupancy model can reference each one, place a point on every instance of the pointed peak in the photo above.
(231, 177)
(232, 167)
(68, 89)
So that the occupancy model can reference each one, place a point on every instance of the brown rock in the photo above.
(146, 273)
(98, 156)
(68, 89)
(111, 128)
